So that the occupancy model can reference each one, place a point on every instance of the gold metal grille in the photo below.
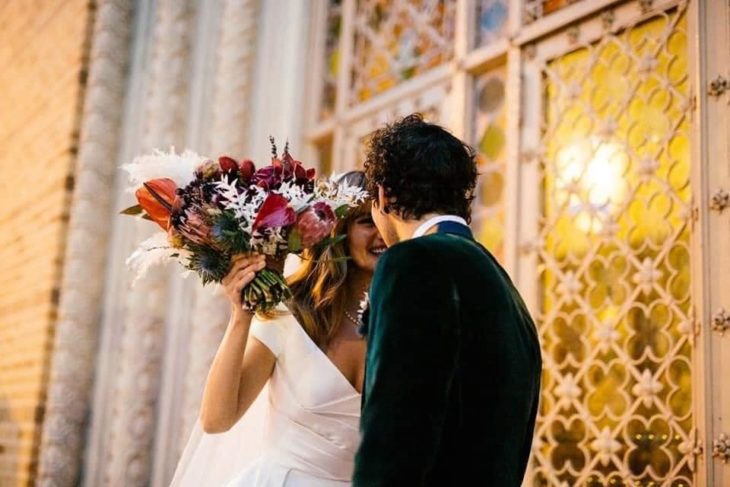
(617, 315)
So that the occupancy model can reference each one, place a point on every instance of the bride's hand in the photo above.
(243, 270)
(276, 264)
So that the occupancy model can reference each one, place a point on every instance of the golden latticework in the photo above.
(617, 314)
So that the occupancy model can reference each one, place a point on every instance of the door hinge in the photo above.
(721, 448)
(721, 321)
(720, 200)
(718, 86)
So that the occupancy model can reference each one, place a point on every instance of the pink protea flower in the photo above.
(315, 224)
(195, 229)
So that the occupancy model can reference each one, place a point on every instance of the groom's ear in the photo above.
(381, 203)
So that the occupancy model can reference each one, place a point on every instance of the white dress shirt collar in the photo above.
(431, 222)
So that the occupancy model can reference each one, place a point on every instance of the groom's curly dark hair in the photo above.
(422, 168)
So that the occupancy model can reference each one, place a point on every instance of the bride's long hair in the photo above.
(318, 286)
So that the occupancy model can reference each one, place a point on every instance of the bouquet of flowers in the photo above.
(209, 211)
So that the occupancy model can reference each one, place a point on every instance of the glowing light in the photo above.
(590, 181)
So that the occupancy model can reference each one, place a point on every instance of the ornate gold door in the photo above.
(608, 146)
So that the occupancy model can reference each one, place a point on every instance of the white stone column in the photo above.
(277, 104)
(274, 106)
(234, 77)
(75, 340)
(236, 56)
(135, 395)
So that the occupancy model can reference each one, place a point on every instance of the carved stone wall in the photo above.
(71, 374)
(236, 54)
(135, 394)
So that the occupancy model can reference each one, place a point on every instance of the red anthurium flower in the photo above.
(247, 170)
(275, 213)
(311, 173)
(157, 198)
(227, 164)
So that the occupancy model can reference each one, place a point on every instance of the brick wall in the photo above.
(43, 48)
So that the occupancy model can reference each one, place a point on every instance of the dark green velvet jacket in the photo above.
(453, 369)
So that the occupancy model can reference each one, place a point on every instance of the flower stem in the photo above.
(266, 291)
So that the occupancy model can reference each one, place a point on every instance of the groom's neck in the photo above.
(405, 229)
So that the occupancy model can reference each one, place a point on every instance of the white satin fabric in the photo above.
(302, 430)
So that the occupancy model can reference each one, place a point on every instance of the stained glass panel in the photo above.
(331, 59)
(489, 138)
(398, 39)
(534, 9)
(491, 17)
(616, 318)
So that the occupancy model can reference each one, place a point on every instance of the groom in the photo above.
(453, 362)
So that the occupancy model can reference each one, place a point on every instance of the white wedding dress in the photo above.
(302, 430)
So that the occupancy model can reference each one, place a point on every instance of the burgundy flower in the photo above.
(269, 177)
(227, 164)
(302, 175)
(287, 162)
(274, 213)
(315, 224)
(247, 170)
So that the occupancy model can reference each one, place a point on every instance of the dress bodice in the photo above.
(302, 430)
(314, 411)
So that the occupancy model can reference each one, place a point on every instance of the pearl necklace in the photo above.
(355, 321)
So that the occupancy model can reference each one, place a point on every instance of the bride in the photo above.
(308, 360)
